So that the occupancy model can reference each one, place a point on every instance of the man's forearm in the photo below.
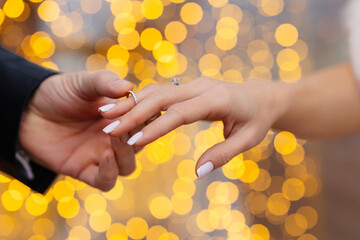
(323, 105)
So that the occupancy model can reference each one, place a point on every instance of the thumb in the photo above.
(103, 83)
(221, 153)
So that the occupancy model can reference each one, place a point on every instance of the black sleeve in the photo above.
(18, 80)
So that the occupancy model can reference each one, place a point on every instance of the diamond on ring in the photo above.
(175, 81)
(134, 96)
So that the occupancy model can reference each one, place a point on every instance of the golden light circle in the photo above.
(271, 7)
(191, 13)
(250, 172)
(262, 231)
(295, 224)
(68, 207)
(288, 59)
(44, 227)
(7, 225)
(124, 23)
(180, 205)
(13, 8)
(175, 32)
(116, 230)
(48, 11)
(118, 55)
(164, 51)
(218, 3)
(310, 214)
(12, 200)
(137, 228)
(155, 232)
(79, 233)
(100, 221)
(152, 9)
(130, 40)
(278, 204)
(209, 65)
(63, 189)
(286, 35)
(160, 207)
(293, 189)
(116, 192)
(149, 38)
(285, 143)
(36, 204)
(185, 170)
(95, 202)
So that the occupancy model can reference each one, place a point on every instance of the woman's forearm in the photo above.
(323, 105)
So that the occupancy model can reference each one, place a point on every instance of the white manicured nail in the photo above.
(205, 169)
(134, 138)
(107, 107)
(109, 128)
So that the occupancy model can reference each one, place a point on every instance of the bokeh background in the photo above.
(284, 188)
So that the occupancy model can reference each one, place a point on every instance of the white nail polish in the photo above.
(134, 138)
(109, 128)
(205, 169)
(107, 107)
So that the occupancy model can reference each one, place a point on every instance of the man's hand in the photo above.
(61, 128)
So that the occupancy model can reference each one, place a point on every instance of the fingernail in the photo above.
(205, 169)
(106, 107)
(111, 160)
(134, 138)
(117, 83)
(109, 128)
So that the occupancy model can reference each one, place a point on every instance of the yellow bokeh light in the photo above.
(130, 40)
(4, 179)
(288, 59)
(175, 32)
(225, 43)
(278, 204)
(63, 189)
(293, 189)
(2, 16)
(12, 200)
(296, 157)
(68, 207)
(155, 232)
(218, 3)
(43, 46)
(124, 23)
(191, 13)
(286, 35)
(13, 8)
(271, 7)
(62, 26)
(160, 207)
(164, 51)
(181, 206)
(260, 230)
(233, 169)
(310, 214)
(227, 28)
(168, 236)
(184, 189)
(295, 224)
(118, 230)
(44, 227)
(118, 55)
(186, 170)
(7, 225)
(262, 182)
(250, 172)
(137, 228)
(307, 236)
(206, 220)
(149, 38)
(95, 202)
(36, 204)
(209, 65)
(232, 10)
(49, 11)
(79, 233)
(121, 6)
(285, 142)
(20, 187)
(152, 9)
(160, 151)
(100, 221)
(144, 69)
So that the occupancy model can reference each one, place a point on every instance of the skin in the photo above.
(323, 105)
(61, 128)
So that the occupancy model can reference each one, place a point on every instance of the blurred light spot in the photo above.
(152, 9)
(63, 189)
(36, 204)
(175, 32)
(13, 8)
(100, 221)
(286, 35)
(295, 224)
(95, 202)
(137, 228)
(191, 13)
(285, 143)
(160, 207)
(149, 38)
(90, 6)
(44, 227)
(68, 207)
(80, 232)
(164, 51)
(48, 11)
(278, 204)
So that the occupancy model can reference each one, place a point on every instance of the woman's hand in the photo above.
(248, 110)
(61, 128)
